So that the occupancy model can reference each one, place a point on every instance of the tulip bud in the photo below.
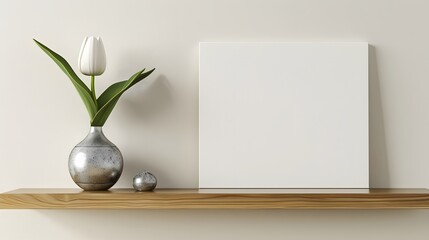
(92, 57)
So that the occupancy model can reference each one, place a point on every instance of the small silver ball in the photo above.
(144, 181)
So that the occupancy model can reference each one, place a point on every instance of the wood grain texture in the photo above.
(217, 199)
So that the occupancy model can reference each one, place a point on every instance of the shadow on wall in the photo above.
(152, 107)
(378, 161)
(154, 98)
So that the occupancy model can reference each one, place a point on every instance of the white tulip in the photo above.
(92, 57)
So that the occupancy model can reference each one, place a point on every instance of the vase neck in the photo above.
(96, 130)
(95, 137)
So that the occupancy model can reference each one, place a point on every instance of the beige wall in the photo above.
(156, 124)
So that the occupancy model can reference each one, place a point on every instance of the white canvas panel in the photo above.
(284, 115)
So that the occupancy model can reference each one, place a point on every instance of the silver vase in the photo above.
(95, 164)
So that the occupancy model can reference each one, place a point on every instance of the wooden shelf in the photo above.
(217, 199)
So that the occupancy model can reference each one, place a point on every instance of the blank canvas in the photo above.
(283, 115)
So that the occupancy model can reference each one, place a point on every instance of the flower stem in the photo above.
(93, 91)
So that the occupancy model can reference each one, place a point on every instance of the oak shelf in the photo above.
(217, 199)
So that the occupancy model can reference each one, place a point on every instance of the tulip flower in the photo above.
(92, 57)
(92, 60)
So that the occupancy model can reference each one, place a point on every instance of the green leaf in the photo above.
(110, 92)
(81, 88)
(111, 95)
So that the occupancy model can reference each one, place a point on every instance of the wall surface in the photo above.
(156, 123)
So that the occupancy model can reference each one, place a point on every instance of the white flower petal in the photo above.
(92, 59)
(81, 52)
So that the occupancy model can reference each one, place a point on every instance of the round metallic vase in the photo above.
(144, 181)
(95, 164)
